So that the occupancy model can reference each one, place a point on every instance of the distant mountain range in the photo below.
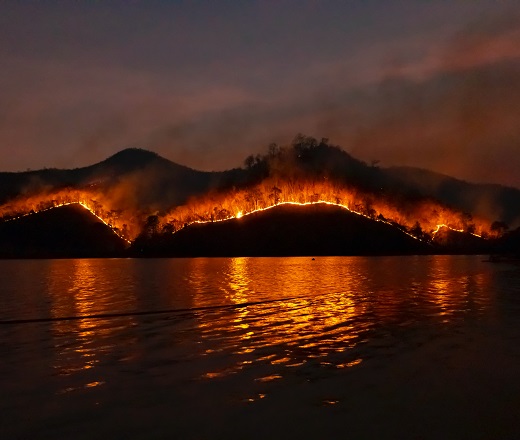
(157, 183)
(151, 179)
(490, 201)
(149, 186)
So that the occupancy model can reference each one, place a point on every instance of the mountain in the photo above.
(455, 242)
(141, 194)
(285, 230)
(149, 182)
(65, 232)
(491, 201)
(153, 181)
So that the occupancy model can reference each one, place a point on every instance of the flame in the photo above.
(420, 219)
(116, 220)
(439, 227)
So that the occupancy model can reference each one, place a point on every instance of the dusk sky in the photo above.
(433, 84)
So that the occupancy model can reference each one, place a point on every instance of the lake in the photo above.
(420, 347)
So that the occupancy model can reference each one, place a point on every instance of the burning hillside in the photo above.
(283, 230)
(63, 232)
(305, 173)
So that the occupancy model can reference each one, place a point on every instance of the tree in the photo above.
(275, 194)
(368, 208)
(168, 229)
(273, 150)
(124, 232)
(151, 226)
(249, 162)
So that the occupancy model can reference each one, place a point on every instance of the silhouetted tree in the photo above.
(273, 150)
(368, 209)
(124, 232)
(223, 214)
(151, 226)
(168, 228)
(249, 162)
(96, 206)
(275, 195)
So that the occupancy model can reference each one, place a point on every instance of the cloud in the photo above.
(450, 105)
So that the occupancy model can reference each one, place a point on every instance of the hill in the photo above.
(144, 179)
(284, 230)
(65, 232)
(449, 241)
(494, 202)
(140, 194)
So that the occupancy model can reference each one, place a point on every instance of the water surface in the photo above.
(379, 347)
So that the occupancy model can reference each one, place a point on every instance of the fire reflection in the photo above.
(454, 294)
(238, 290)
(306, 323)
(282, 313)
(77, 288)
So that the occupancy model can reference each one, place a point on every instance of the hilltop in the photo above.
(64, 232)
(283, 231)
(161, 205)
(144, 181)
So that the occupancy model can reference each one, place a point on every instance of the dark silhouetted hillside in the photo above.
(450, 241)
(285, 230)
(65, 232)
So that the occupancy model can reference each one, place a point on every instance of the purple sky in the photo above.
(434, 84)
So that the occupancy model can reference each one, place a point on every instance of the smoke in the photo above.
(454, 111)
(450, 106)
(458, 115)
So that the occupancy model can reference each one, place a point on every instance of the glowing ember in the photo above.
(421, 219)
(35, 204)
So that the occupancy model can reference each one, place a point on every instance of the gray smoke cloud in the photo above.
(448, 105)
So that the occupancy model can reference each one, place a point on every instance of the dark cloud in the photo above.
(412, 84)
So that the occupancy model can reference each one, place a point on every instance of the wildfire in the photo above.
(27, 206)
(439, 227)
(421, 219)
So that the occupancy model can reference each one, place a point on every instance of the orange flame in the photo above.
(420, 219)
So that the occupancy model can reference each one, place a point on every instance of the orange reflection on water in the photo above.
(304, 322)
(76, 288)
(453, 294)
(238, 288)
